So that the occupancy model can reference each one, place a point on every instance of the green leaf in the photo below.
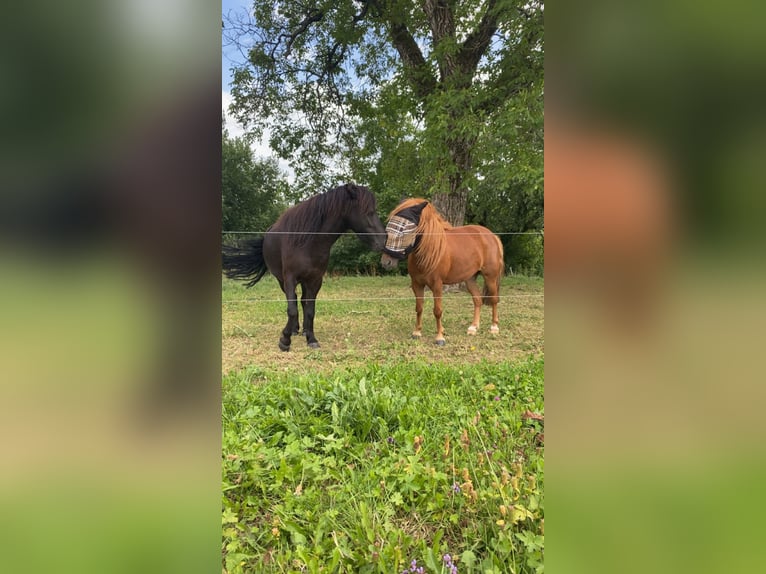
(230, 517)
(468, 558)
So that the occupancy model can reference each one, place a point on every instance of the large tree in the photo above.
(317, 70)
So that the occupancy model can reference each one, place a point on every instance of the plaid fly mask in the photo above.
(401, 232)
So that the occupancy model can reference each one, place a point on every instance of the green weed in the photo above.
(367, 468)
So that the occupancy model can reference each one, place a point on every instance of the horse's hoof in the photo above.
(494, 329)
(283, 347)
(472, 330)
(440, 342)
(314, 345)
(415, 337)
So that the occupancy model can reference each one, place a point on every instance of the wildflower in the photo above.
(451, 568)
(390, 440)
(464, 440)
(414, 568)
(468, 491)
(497, 398)
(455, 488)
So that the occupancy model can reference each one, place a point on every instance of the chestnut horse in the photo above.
(439, 254)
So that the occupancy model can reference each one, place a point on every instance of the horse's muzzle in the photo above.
(390, 262)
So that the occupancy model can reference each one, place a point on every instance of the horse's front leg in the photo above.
(436, 288)
(419, 291)
(308, 302)
(292, 315)
(297, 324)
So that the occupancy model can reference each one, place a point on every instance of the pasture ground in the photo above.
(377, 453)
(362, 320)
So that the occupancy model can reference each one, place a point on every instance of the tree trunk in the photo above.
(452, 204)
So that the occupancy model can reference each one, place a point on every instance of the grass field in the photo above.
(377, 453)
(356, 332)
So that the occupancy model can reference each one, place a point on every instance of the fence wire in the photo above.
(364, 233)
(358, 300)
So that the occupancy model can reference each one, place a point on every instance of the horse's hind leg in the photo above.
(491, 297)
(292, 314)
(308, 302)
(473, 289)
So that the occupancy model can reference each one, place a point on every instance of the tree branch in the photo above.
(419, 73)
(312, 17)
(441, 20)
(477, 42)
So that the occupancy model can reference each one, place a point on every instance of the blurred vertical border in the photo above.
(109, 297)
(655, 171)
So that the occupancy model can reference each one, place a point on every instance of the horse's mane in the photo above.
(310, 215)
(431, 228)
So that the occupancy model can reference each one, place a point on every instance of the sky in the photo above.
(229, 58)
(228, 55)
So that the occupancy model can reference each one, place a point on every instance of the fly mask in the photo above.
(401, 232)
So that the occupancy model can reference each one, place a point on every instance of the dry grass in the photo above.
(377, 330)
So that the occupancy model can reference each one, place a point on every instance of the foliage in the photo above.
(349, 256)
(253, 191)
(404, 96)
(369, 468)
(509, 195)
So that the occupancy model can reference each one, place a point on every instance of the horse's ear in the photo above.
(352, 191)
(418, 209)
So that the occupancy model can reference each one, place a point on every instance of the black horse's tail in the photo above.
(245, 262)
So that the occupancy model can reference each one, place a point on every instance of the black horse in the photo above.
(296, 249)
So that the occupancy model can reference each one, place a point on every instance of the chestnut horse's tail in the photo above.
(487, 295)
(245, 262)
